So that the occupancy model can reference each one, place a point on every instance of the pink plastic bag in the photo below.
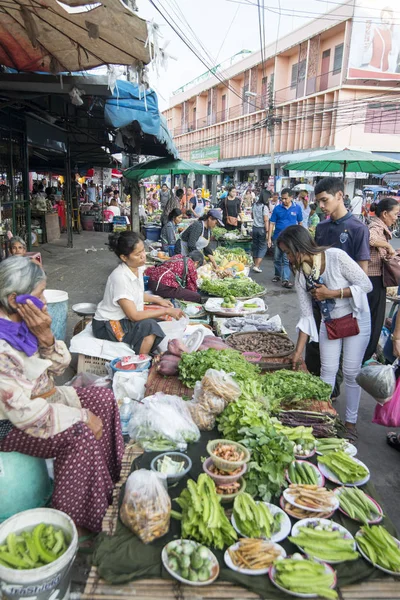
(388, 414)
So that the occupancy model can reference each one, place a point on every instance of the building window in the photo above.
(298, 73)
(295, 72)
(209, 108)
(338, 59)
(383, 118)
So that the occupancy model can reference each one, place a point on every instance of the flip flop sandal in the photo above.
(275, 279)
(351, 435)
(287, 284)
(393, 440)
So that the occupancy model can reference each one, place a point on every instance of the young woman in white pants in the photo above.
(339, 286)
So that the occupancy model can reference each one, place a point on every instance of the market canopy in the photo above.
(135, 114)
(165, 166)
(347, 160)
(40, 35)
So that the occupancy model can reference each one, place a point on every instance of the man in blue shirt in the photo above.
(283, 215)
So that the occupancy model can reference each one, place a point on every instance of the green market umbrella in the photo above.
(167, 166)
(347, 160)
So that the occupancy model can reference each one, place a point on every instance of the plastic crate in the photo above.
(92, 364)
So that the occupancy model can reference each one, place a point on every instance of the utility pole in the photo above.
(271, 121)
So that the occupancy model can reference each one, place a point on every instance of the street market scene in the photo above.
(199, 289)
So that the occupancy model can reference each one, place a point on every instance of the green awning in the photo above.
(347, 160)
(166, 166)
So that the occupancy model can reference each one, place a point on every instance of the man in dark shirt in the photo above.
(341, 230)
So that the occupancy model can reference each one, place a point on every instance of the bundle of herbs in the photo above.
(295, 389)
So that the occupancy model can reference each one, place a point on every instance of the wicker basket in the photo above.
(92, 364)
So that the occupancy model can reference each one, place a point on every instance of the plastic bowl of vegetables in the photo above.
(174, 465)
(221, 477)
(228, 492)
(190, 562)
(227, 455)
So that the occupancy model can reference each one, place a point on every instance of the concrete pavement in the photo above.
(83, 275)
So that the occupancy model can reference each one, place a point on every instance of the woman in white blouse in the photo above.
(339, 287)
(120, 316)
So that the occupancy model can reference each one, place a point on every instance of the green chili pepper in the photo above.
(33, 553)
(58, 546)
(38, 539)
(14, 561)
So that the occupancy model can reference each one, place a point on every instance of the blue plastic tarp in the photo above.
(128, 104)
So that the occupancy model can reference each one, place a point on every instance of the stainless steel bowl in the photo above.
(84, 309)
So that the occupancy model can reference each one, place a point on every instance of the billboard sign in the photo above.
(375, 41)
(209, 153)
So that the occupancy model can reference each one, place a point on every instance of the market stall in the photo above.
(253, 437)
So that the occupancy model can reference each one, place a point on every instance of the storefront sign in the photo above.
(310, 174)
(209, 153)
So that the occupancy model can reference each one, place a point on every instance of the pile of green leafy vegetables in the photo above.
(231, 286)
(290, 387)
(193, 366)
(218, 233)
(271, 455)
(248, 422)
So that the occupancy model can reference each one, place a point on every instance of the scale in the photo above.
(86, 311)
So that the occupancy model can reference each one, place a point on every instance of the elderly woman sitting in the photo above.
(17, 246)
(79, 428)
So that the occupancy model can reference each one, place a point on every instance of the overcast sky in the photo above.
(224, 27)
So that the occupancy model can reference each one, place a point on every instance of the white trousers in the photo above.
(353, 352)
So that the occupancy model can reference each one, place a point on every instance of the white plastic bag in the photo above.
(172, 330)
(210, 397)
(130, 384)
(163, 422)
(221, 384)
(146, 507)
(82, 380)
(378, 380)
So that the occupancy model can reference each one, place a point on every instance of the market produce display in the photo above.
(263, 342)
(311, 497)
(303, 472)
(34, 548)
(253, 323)
(190, 561)
(327, 445)
(203, 518)
(323, 425)
(345, 469)
(324, 540)
(380, 548)
(163, 422)
(271, 454)
(242, 413)
(253, 556)
(300, 513)
(228, 456)
(290, 387)
(146, 507)
(358, 505)
(229, 257)
(302, 438)
(302, 576)
(192, 367)
(254, 519)
(231, 286)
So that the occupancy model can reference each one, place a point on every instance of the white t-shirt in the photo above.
(115, 210)
(356, 205)
(121, 284)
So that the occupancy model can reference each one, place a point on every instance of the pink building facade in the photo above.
(304, 87)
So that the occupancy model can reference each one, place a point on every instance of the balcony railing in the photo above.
(234, 112)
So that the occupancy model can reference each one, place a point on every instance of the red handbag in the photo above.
(343, 327)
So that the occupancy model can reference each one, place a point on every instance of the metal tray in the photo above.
(84, 309)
